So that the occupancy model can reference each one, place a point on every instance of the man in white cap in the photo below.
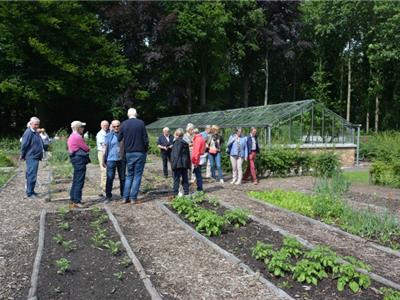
(79, 156)
(32, 153)
(100, 142)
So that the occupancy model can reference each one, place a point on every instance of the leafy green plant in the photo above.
(125, 262)
(210, 222)
(292, 246)
(58, 238)
(348, 275)
(213, 201)
(279, 263)
(324, 256)
(389, 294)
(198, 197)
(62, 212)
(326, 164)
(112, 246)
(261, 251)
(309, 271)
(120, 275)
(101, 219)
(99, 237)
(68, 245)
(97, 211)
(237, 217)
(64, 225)
(63, 265)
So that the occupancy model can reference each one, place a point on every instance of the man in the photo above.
(136, 143)
(180, 162)
(79, 156)
(253, 148)
(32, 153)
(206, 135)
(164, 142)
(100, 142)
(114, 160)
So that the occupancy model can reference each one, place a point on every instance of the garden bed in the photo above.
(93, 271)
(240, 241)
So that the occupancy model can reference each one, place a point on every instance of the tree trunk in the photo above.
(266, 71)
(189, 95)
(246, 89)
(376, 112)
(367, 123)
(203, 83)
(348, 89)
(341, 89)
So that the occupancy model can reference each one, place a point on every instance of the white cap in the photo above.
(77, 124)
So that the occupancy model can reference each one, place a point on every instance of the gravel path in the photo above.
(180, 266)
(382, 263)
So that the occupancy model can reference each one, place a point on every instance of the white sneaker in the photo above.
(237, 182)
(221, 181)
(233, 181)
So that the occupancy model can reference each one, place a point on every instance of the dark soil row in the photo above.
(92, 272)
(240, 241)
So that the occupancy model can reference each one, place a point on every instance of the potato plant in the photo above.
(63, 265)
(237, 217)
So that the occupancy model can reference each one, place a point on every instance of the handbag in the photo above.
(203, 159)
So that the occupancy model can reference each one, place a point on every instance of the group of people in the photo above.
(189, 151)
(122, 147)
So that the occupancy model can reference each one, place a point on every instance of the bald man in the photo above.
(101, 142)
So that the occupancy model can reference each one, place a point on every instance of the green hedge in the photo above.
(5, 160)
(283, 162)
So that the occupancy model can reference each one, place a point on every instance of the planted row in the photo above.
(206, 220)
(311, 266)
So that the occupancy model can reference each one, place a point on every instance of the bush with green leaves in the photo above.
(348, 275)
(279, 263)
(5, 160)
(293, 246)
(237, 217)
(384, 146)
(210, 222)
(261, 251)
(309, 271)
(383, 173)
(326, 164)
(389, 294)
(63, 265)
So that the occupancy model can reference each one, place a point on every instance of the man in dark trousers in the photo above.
(253, 149)
(165, 144)
(180, 162)
(31, 153)
(133, 133)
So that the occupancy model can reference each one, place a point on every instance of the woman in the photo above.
(188, 138)
(180, 162)
(237, 149)
(199, 148)
(214, 144)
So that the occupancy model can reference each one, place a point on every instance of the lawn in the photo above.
(357, 176)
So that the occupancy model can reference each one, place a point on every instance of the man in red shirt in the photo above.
(79, 156)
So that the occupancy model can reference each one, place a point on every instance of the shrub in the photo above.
(5, 160)
(326, 164)
(382, 173)
(381, 147)
(237, 217)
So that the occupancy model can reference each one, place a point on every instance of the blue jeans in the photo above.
(135, 162)
(32, 166)
(112, 166)
(215, 159)
(199, 179)
(78, 180)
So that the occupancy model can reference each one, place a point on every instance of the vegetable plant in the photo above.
(279, 263)
(62, 212)
(120, 275)
(210, 222)
(292, 246)
(125, 261)
(64, 225)
(68, 246)
(323, 255)
(63, 265)
(213, 201)
(58, 238)
(112, 246)
(237, 217)
(348, 275)
(98, 238)
(389, 294)
(309, 271)
(261, 250)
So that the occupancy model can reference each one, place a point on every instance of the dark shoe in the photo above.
(125, 201)
(138, 201)
(36, 194)
(33, 197)
(101, 194)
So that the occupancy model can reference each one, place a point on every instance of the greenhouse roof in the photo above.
(257, 116)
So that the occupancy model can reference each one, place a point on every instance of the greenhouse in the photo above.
(307, 124)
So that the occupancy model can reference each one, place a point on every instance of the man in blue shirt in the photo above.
(31, 153)
(114, 160)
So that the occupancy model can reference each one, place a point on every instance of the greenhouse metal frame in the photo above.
(306, 122)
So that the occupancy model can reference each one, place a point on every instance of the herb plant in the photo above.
(210, 222)
(58, 238)
(64, 225)
(68, 246)
(262, 251)
(309, 271)
(292, 246)
(347, 275)
(63, 265)
(279, 263)
(237, 217)
(120, 275)
(112, 246)
(125, 262)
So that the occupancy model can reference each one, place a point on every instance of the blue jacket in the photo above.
(134, 134)
(107, 141)
(232, 145)
(249, 142)
(31, 145)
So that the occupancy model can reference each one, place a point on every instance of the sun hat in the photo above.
(77, 124)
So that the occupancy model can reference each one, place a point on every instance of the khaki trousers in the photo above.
(237, 172)
(103, 175)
